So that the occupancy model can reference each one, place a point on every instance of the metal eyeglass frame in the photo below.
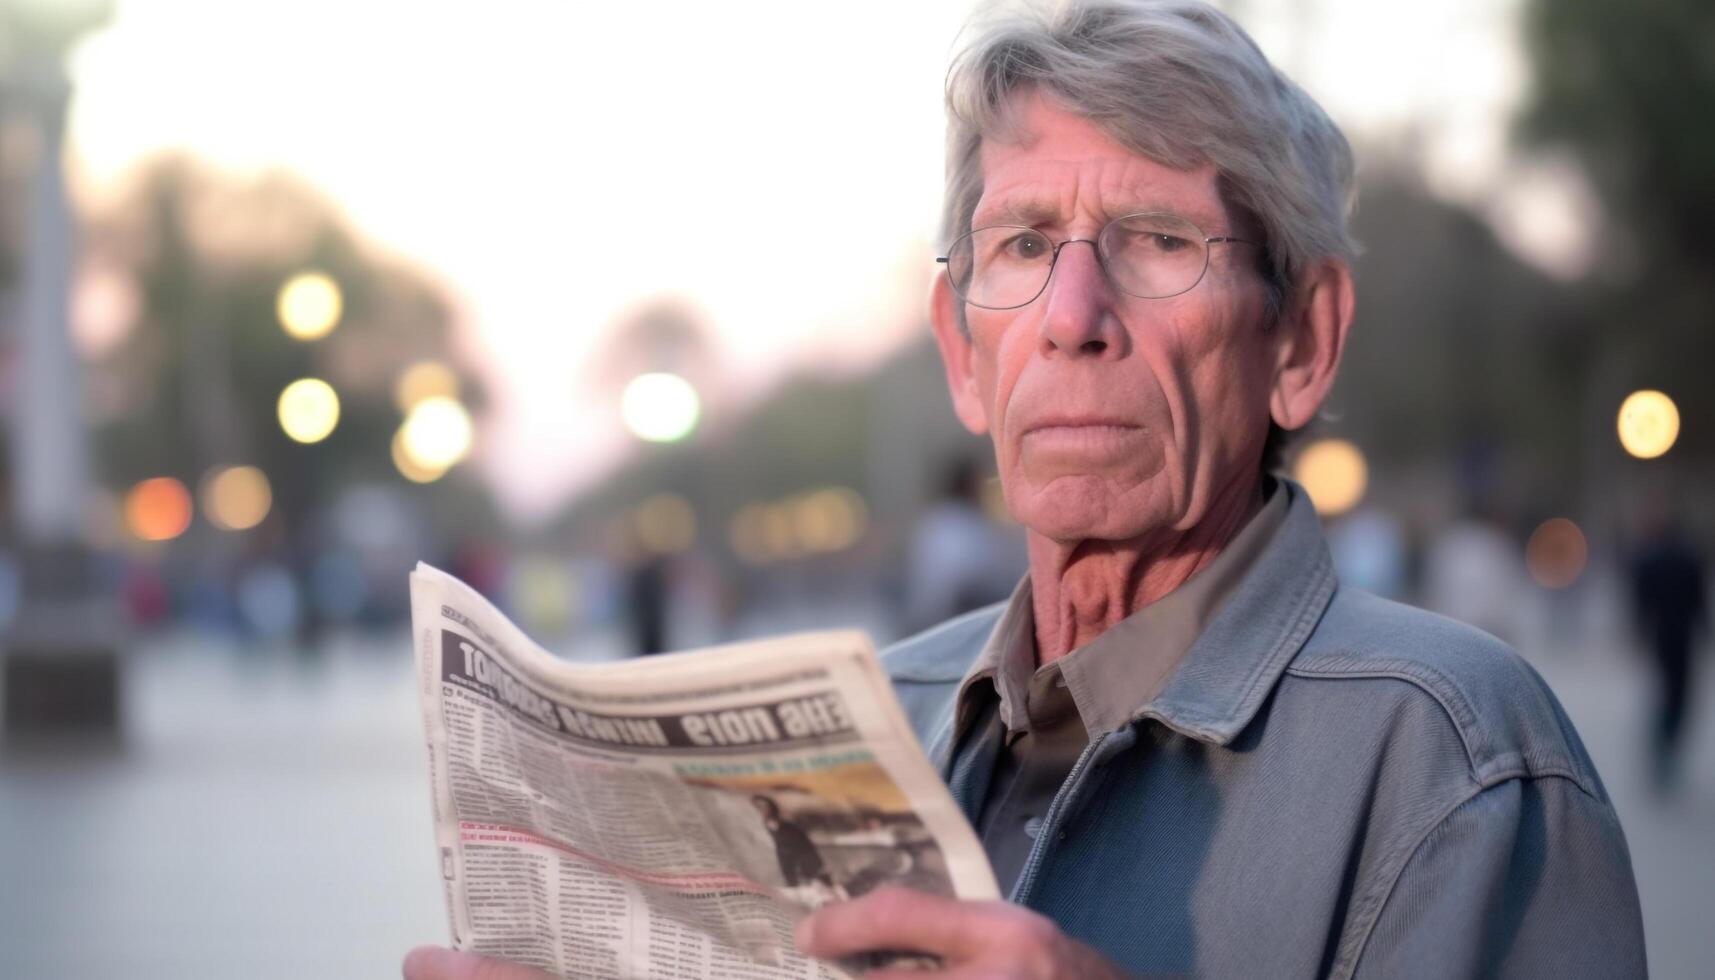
(1095, 243)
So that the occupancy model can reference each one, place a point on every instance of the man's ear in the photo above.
(1309, 340)
(956, 357)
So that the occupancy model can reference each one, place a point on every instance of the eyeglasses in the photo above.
(1151, 256)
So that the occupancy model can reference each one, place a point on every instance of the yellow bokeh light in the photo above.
(1334, 473)
(309, 305)
(828, 520)
(666, 524)
(819, 522)
(309, 410)
(437, 433)
(158, 509)
(424, 380)
(236, 498)
(408, 467)
(660, 407)
(1556, 553)
(1648, 424)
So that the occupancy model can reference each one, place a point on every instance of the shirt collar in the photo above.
(1201, 659)
(1119, 672)
(1011, 646)
(1259, 629)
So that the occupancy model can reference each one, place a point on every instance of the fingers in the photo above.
(898, 918)
(437, 963)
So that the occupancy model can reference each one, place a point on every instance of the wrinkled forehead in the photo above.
(1044, 164)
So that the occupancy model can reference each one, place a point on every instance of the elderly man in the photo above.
(1186, 748)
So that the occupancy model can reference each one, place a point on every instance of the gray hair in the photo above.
(1176, 81)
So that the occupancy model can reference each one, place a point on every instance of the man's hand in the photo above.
(973, 939)
(435, 963)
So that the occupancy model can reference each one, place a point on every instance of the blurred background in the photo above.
(618, 313)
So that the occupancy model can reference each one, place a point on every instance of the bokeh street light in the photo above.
(822, 521)
(1334, 473)
(829, 520)
(660, 407)
(408, 467)
(666, 524)
(1648, 424)
(1556, 553)
(236, 498)
(437, 433)
(158, 509)
(309, 410)
(424, 380)
(309, 305)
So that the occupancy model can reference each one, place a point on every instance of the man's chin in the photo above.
(1072, 517)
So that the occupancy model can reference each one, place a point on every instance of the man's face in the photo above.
(1112, 416)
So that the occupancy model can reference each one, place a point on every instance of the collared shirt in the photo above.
(1328, 785)
(1045, 716)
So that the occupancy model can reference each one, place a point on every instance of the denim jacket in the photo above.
(1330, 785)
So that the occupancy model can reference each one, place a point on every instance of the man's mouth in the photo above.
(1086, 439)
(1073, 425)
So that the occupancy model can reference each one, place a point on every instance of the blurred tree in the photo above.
(885, 434)
(1628, 87)
(1458, 343)
(193, 383)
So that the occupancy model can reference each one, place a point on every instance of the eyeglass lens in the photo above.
(1145, 255)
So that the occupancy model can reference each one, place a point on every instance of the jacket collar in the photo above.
(1261, 626)
(1230, 669)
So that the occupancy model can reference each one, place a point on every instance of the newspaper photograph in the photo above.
(669, 816)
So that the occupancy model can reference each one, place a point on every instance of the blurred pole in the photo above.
(60, 661)
(50, 458)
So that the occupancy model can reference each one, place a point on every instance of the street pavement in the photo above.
(268, 817)
(1608, 692)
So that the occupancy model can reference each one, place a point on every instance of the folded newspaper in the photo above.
(670, 816)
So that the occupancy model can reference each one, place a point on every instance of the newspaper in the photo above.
(669, 816)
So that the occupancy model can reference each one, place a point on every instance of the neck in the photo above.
(1081, 589)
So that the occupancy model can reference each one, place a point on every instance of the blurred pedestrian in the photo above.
(960, 559)
(1670, 602)
(1474, 572)
(1369, 549)
(646, 595)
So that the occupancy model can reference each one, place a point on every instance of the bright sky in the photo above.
(777, 164)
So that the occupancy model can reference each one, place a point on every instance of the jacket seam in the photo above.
(1461, 719)
(1375, 906)
(1461, 715)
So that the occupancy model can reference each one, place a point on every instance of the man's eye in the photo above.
(1024, 247)
(1160, 242)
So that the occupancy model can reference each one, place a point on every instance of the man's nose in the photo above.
(1079, 317)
